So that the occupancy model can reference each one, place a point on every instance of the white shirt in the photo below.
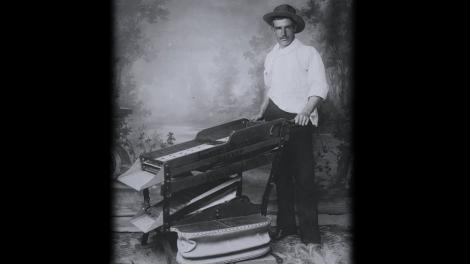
(293, 74)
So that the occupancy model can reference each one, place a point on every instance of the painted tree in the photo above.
(170, 138)
(260, 45)
(225, 78)
(332, 23)
(199, 102)
(131, 44)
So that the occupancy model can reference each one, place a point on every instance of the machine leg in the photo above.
(145, 236)
(146, 194)
(170, 255)
(240, 186)
(144, 239)
(270, 184)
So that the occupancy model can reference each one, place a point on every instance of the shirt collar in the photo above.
(287, 49)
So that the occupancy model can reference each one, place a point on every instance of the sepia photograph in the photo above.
(232, 131)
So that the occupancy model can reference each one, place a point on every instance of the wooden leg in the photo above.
(240, 186)
(169, 253)
(144, 239)
(270, 184)
(146, 242)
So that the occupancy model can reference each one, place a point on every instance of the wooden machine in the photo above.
(201, 180)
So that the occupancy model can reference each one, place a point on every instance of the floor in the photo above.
(335, 249)
(334, 221)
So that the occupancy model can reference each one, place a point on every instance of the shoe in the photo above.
(310, 238)
(280, 233)
(310, 251)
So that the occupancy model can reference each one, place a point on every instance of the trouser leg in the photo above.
(306, 198)
(285, 195)
(295, 181)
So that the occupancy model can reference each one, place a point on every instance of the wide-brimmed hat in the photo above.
(288, 12)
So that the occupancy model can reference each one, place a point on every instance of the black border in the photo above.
(61, 127)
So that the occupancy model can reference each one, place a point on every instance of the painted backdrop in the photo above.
(181, 66)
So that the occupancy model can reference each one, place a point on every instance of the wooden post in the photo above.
(270, 183)
(240, 184)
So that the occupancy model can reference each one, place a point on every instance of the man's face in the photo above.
(285, 31)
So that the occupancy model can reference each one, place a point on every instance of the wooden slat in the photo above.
(123, 224)
(229, 155)
(222, 130)
(240, 141)
(127, 202)
(149, 221)
(267, 259)
(208, 134)
(138, 179)
(258, 133)
(220, 173)
(336, 207)
(171, 149)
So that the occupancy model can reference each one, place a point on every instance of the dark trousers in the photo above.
(295, 179)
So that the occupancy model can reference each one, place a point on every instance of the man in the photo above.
(295, 84)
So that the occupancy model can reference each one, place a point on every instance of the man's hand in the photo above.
(302, 119)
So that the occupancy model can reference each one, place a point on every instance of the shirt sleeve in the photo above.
(267, 70)
(317, 76)
(266, 73)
